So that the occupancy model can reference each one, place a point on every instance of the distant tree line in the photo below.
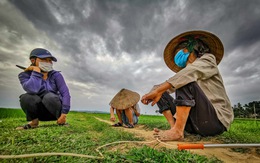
(250, 110)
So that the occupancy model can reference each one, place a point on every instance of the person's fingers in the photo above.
(143, 97)
(154, 103)
(155, 100)
(61, 120)
(144, 101)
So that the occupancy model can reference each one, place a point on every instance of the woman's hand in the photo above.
(153, 97)
(113, 118)
(33, 68)
(62, 119)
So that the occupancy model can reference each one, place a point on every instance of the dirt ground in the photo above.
(224, 154)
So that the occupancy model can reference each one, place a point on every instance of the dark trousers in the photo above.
(44, 108)
(202, 118)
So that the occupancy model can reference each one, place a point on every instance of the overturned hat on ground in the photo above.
(124, 99)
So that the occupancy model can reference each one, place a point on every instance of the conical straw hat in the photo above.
(214, 43)
(124, 99)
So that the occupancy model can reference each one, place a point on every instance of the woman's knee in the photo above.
(29, 103)
(29, 99)
(51, 100)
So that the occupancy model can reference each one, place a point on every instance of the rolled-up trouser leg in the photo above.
(52, 105)
(30, 105)
(166, 102)
(202, 119)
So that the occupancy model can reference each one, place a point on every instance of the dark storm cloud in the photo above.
(38, 12)
(97, 22)
(140, 28)
(107, 45)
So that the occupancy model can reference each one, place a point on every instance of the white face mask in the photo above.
(45, 66)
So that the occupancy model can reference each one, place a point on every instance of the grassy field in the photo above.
(241, 130)
(85, 133)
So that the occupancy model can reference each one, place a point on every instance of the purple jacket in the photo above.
(33, 83)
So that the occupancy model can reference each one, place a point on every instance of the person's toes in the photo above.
(164, 138)
(170, 137)
(155, 133)
(156, 136)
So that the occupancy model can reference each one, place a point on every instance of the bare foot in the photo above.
(168, 135)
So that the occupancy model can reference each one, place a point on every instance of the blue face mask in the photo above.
(181, 58)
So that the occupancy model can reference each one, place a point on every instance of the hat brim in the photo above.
(214, 43)
(124, 99)
(48, 56)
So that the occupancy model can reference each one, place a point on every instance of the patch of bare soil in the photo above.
(223, 154)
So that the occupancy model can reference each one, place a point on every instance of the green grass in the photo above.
(150, 121)
(83, 136)
(163, 155)
(241, 130)
(11, 113)
(244, 131)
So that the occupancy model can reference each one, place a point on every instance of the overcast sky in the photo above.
(103, 46)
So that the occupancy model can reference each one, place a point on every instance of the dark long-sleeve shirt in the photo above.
(33, 83)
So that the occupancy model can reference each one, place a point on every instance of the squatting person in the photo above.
(47, 96)
(125, 103)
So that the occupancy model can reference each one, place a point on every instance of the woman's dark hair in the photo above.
(197, 46)
(200, 48)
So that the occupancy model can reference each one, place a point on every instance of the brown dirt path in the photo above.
(224, 154)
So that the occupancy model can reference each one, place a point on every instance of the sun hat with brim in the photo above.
(124, 99)
(212, 41)
(42, 53)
